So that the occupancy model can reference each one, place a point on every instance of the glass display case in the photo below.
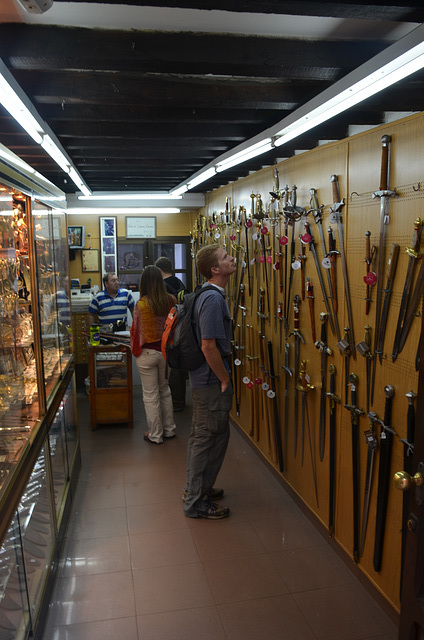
(35, 319)
(39, 436)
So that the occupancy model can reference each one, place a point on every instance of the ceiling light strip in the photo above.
(21, 109)
(404, 57)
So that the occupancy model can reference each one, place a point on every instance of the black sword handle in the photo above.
(410, 419)
(386, 442)
(385, 149)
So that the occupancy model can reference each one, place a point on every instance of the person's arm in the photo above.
(214, 360)
(93, 319)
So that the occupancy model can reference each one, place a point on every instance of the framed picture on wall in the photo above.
(108, 245)
(90, 260)
(141, 227)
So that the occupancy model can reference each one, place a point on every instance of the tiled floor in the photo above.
(135, 568)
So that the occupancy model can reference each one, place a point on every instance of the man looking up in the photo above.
(211, 388)
(110, 305)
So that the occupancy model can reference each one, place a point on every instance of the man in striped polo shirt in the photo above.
(110, 305)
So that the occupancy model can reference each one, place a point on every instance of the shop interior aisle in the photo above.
(134, 567)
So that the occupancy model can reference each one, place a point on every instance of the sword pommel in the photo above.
(411, 395)
(385, 140)
(389, 391)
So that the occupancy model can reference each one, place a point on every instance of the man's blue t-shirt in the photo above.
(213, 321)
(110, 310)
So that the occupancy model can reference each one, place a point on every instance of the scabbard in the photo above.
(277, 427)
(386, 444)
(332, 450)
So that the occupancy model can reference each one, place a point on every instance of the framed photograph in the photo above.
(108, 245)
(90, 260)
(141, 227)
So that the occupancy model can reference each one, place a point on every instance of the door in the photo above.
(412, 609)
(135, 254)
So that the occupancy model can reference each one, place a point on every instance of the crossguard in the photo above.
(354, 410)
(322, 348)
(296, 333)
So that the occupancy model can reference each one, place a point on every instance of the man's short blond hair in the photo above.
(206, 258)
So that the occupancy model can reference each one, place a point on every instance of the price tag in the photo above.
(296, 264)
(306, 238)
(265, 386)
(246, 380)
(237, 362)
(326, 263)
(217, 235)
(271, 394)
(269, 259)
(284, 240)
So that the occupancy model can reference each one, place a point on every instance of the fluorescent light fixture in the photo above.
(179, 190)
(116, 210)
(54, 152)
(21, 109)
(130, 196)
(78, 182)
(250, 152)
(205, 175)
(373, 83)
(401, 59)
(14, 160)
(17, 109)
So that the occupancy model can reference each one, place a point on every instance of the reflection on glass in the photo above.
(53, 285)
(14, 612)
(37, 531)
(18, 378)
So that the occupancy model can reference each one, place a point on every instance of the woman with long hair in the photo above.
(146, 332)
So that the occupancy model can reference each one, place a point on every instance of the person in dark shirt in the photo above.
(177, 378)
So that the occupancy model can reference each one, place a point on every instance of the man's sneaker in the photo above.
(214, 511)
(213, 494)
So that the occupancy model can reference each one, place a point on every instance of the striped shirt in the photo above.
(110, 310)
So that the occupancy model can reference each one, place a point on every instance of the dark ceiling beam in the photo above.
(361, 9)
(51, 48)
(108, 89)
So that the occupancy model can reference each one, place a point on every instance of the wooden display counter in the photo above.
(111, 396)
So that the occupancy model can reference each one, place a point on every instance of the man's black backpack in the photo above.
(180, 347)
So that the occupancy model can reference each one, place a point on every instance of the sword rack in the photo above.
(319, 248)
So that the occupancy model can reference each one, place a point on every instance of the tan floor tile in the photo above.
(168, 588)
(264, 619)
(94, 555)
(189, 624)
(156, 517)
(314, 568)
(162, 548)
(98, 523)
(93, 597)
(225, 538)
(125, 628)
(243, 578)
(344, 612)
(287, 532)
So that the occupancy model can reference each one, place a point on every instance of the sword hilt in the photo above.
(323, 348)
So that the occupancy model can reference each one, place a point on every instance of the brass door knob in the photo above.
(403, 481)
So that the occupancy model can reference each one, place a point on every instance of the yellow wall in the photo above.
(357, 162)
(178, 224)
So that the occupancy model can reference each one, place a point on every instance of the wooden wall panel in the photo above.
(356, 161)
